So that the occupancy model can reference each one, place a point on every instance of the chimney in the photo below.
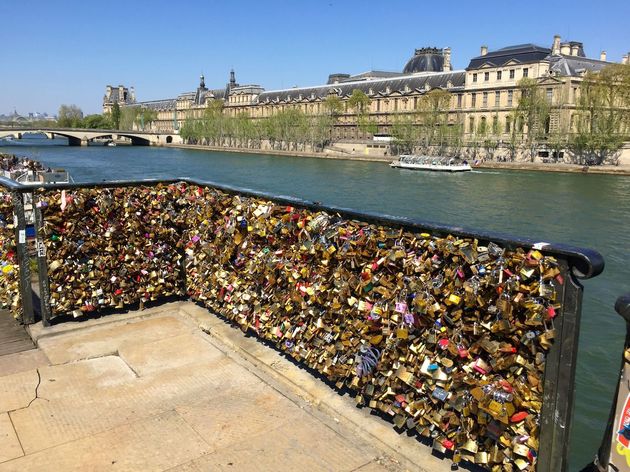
(602, 56)
(447, 60)
(574, 49)
(624, 59)
(555, 49)
(484, 50)
(565, 49)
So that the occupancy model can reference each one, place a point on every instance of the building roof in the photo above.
(425, 60)
(521, 53)
(372, 74)
(405, 84)
(574, 65)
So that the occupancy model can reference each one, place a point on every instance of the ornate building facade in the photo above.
(483, 94)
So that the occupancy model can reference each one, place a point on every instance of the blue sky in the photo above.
(67, 51)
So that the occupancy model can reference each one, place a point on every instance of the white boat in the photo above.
(436, 164)
(111, 144)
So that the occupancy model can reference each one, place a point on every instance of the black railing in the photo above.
(574, 263)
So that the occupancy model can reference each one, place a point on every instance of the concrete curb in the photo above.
(37, 331)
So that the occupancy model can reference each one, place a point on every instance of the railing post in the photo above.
(44, 285)
(614, 452)
(28, 316)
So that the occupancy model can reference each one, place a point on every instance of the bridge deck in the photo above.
(13, 336)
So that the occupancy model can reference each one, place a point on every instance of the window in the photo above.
(485, 100)
(473, 102)
(471, 122)
(495, 124)
(497, 98)
(549, 95)
(525, 72)
(499, 73)
(475, 77)
(508, 124)
(395, 104)
(459, 100)
(510, 97)
(486, 76)
(511, 73)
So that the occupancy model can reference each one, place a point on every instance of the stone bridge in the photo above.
(81, 136)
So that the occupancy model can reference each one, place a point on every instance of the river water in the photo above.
(584, 210)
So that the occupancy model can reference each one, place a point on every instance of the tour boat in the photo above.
(437, 164)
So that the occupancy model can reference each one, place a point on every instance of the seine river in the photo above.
(584, 210)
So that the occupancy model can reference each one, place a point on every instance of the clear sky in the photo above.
(66, 51)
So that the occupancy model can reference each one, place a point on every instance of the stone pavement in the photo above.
(151, 391)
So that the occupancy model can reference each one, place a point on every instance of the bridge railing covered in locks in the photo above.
(15, 285)
(468, 339)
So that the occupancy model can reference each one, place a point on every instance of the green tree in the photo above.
(116, 116)
(602, 117)
(128, 116)
(70, 116)
(97, 122)
(404, 132)
(433, 109)
(360, 103)
(533, 108)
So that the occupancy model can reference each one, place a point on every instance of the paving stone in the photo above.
(9, 444)
(90, 396)
(305, 446)
(240, 414)
(106, 340)
(17, 390)
(21, 361)
(152, 444)
(187, 350)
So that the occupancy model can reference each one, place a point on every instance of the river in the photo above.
(584, 210)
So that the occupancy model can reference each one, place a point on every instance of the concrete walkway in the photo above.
(152, 391)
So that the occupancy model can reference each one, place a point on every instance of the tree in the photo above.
(602, 118)
(116, 116)
(144, 118)
(360, 103)
(97, 122)
(127, 117)
(534, 109)
(433, 109)
(70, 116)
(405, 133)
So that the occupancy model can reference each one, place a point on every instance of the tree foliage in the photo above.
(70, 116)
(115, 116)
(533, 108)
(602, 119)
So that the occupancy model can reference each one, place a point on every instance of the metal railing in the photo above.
(574, 262)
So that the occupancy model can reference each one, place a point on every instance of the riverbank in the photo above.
(524, 166)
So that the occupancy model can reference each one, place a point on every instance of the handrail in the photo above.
(575, 262)
(614, 452)
(585, 263)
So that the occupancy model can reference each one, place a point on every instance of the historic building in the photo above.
(122, 95)
(482, 96)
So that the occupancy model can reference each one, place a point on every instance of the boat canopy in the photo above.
(427, 160)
